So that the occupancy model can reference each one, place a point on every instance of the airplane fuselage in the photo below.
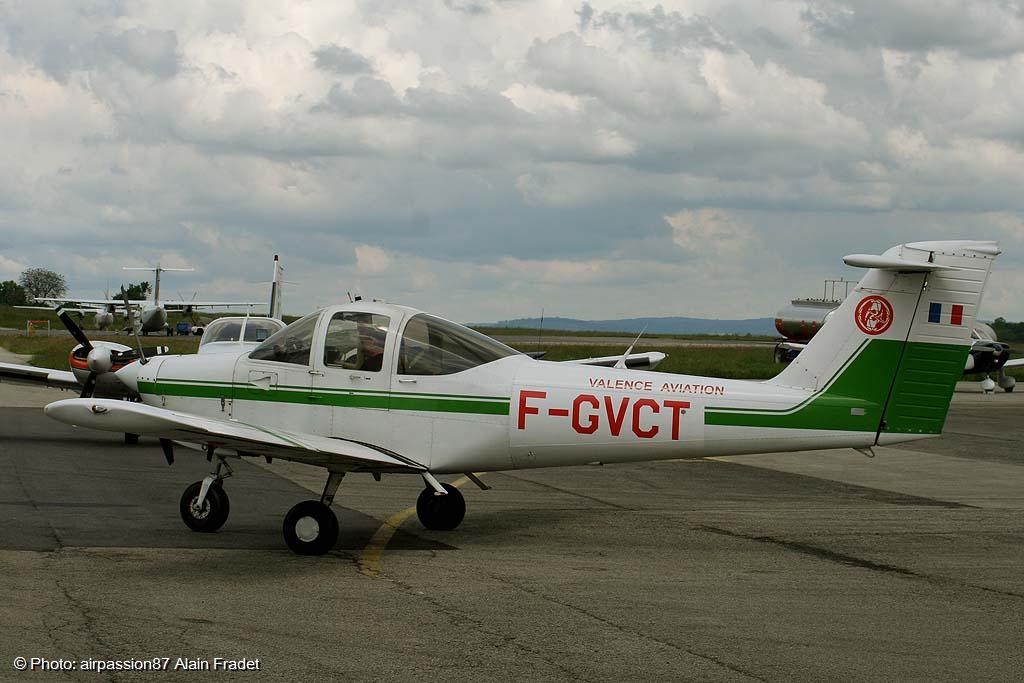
(517, 412)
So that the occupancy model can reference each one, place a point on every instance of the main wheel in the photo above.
(131, 439)
(213, 513)
(441, 513)
(310, 528)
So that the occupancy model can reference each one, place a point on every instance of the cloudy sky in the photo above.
(485, 158)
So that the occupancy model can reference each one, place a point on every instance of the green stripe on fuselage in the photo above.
(441, 403)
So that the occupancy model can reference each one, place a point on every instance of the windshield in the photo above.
(290, 345)
(432, 346)
(228, 329)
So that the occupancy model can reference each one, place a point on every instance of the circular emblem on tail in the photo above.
(873, 315)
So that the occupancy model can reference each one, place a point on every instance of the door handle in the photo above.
(407, 381)
(316, 397)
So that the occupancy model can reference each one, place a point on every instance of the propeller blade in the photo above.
(168, 448)
(74, 329)
(90, 386)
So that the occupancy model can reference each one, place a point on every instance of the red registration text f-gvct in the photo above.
(585, 415)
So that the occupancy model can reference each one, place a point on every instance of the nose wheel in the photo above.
(441, 513)
(208, 516)
(204, 506)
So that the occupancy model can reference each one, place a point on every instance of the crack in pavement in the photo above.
(622, 629)
(461, 619)
(853, 561)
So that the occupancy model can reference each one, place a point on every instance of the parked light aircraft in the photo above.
(93, 364)
(150, 316)
(380, 388)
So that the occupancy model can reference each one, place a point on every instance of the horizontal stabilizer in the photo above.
(900, 265)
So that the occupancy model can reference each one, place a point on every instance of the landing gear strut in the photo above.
(311, 527)
(204, 506)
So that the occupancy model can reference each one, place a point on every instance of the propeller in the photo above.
(101, 359)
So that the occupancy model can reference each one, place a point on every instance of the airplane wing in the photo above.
(634, 361)
(245, 439)
(26, 374)
(1014, 363)
(95, 302)
(95, 309)
(209, 304)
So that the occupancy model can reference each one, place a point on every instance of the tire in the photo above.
(216, 508)
(131, 439)
(441, 513)
(310, 528)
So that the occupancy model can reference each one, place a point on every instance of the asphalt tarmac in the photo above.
(821, 566)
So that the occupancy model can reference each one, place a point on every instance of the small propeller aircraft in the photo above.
(379, 388)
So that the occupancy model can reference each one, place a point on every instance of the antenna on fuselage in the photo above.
(621, 363)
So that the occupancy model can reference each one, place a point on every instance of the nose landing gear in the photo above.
(204, 506)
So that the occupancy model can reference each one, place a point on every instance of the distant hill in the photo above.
(675, 325)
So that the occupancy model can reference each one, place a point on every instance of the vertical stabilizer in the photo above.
(897, 345)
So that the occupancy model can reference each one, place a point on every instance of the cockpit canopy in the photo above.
(363, 340)
(240, 329)
(433, 346)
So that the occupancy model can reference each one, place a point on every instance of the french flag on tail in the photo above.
(937, 311)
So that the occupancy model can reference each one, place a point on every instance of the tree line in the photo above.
(36, 283)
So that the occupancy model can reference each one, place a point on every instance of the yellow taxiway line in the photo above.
(370, 558)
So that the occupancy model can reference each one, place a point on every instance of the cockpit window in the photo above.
(432, 346)
(355, 341)
(290, 345)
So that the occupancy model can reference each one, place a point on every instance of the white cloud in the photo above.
(371, 260)
(498, 150)
(710, 231)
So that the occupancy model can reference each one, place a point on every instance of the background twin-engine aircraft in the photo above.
(380, 388)
(148, 316)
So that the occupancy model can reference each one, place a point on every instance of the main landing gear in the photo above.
(441, 512)
(311, 527)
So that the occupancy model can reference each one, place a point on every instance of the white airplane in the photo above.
(381, 388)
(150, 316)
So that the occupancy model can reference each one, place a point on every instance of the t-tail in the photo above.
(890, 356)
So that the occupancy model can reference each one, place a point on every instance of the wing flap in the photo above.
(246, 439)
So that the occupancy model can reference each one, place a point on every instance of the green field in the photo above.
(534, 333)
